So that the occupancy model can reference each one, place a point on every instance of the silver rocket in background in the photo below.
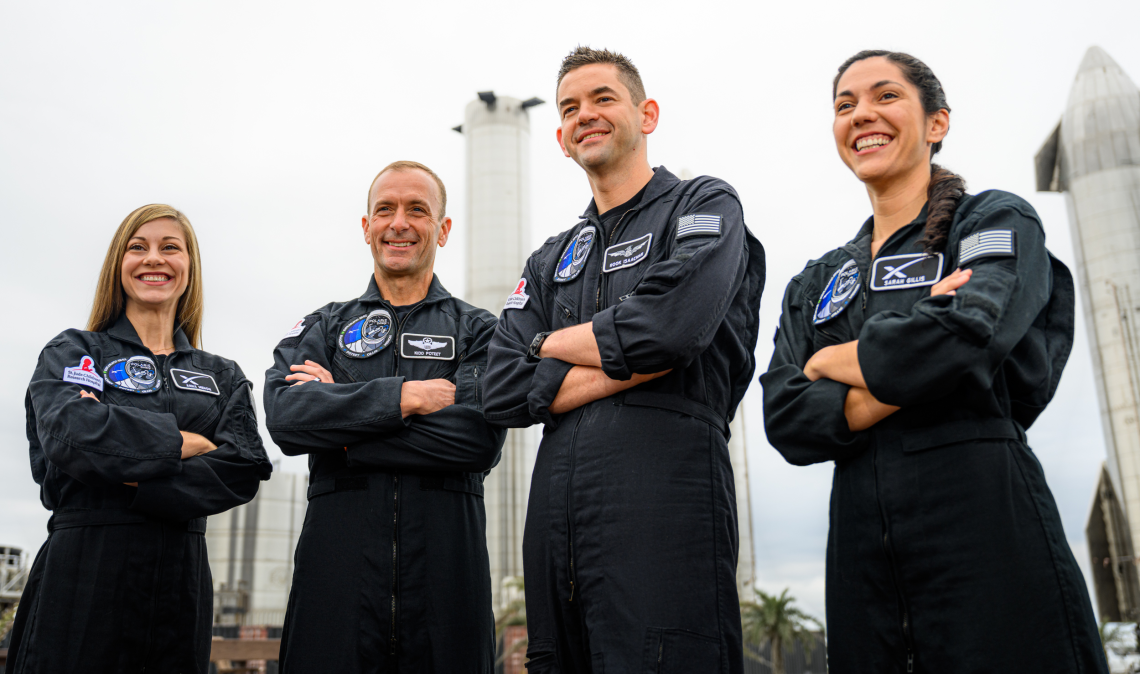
(1093, 156)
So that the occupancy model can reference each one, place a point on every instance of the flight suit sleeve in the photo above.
(219, 480)
(319, 416)
(456, 438)
(675, 310)
(949, 340)
(519, 392)
(804, 420)
(96, 443)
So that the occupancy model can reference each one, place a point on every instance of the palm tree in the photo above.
(513, 614)
(773, 620)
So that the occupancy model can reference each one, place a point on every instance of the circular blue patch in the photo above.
(844, 285)
(366, 335)
(137, 374)
(574, 257)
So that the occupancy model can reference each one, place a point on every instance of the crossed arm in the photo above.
(841, 363)
(585, 382)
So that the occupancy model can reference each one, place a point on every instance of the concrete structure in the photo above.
(251, 552)
(497, 130)
(1093, 156)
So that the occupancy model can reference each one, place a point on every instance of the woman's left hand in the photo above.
(310, 371)
(951, 283)
(85, 394)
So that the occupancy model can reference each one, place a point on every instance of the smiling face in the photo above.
(156, 266)
(881, 130)
(602, 127)
(403, 227)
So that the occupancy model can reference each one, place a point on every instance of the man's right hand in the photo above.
(425, 397)
(195, 445)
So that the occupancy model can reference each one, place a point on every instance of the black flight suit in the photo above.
(945, 552)
(123, 583)
(392, 573)
(630, 544)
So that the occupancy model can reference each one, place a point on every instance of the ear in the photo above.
(444, 230)
(364, 226)
(938, 125)
(562, 145)
(650, 115)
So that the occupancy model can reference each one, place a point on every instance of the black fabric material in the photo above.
(941, 507)
(392, 572)
(630, 544)
(123, 583)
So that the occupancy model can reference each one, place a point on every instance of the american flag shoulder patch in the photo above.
(988, 243)
(698, 224)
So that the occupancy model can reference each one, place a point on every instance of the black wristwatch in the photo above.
(535, 346)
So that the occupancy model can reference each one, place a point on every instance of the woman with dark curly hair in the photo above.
(915, 356)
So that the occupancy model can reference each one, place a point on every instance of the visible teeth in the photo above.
(594, 135)
(871, 141)
(157, 279)
(400, 244)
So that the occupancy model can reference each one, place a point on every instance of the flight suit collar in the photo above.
(124, 331)
(436, 292)
(659, 185)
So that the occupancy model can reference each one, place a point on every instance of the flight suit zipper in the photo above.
(609, 242)
(393, 639)
(889, 552)
(569, 517)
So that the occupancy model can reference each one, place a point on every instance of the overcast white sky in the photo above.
(265, 122)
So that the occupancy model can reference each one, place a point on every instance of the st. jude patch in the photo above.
(519, 298)
(194, 381)
(84, 374)
(137, 374)
(844, 285)
(627, 253)
(574, 257)
(436, 347)
(366, 335)
(896, 272)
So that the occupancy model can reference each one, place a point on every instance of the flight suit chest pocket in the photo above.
(565, 311)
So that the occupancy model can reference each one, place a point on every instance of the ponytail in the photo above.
(942, 196)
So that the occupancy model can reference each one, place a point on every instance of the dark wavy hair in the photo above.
(946, 187)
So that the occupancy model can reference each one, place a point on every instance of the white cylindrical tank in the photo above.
(497, 129)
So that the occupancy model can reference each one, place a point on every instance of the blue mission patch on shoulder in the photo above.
(843, 286)
(366, 335)
(574, 256)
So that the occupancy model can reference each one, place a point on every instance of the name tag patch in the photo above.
(627, 254)
(194, 381)
(427, 346)
(698, 224)
(896, 272)
(575, 255)
(137, 374)
(519, 298)
(84, 374)
(367, 335)
(844, 285)
(988, 243)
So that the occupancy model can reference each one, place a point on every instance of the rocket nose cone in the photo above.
(1096, 58)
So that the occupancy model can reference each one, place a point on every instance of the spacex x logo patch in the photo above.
(194, 381)
(896, 272)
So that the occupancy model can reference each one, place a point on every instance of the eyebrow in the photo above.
(165, 238)
(876, 85)
(388, 202)
(604, 89)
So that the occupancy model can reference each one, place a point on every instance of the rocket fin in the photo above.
(1048, 161)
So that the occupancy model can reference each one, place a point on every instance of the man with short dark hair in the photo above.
(630, 337)
(382, 392)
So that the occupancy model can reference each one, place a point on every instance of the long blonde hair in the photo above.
(110, 299)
